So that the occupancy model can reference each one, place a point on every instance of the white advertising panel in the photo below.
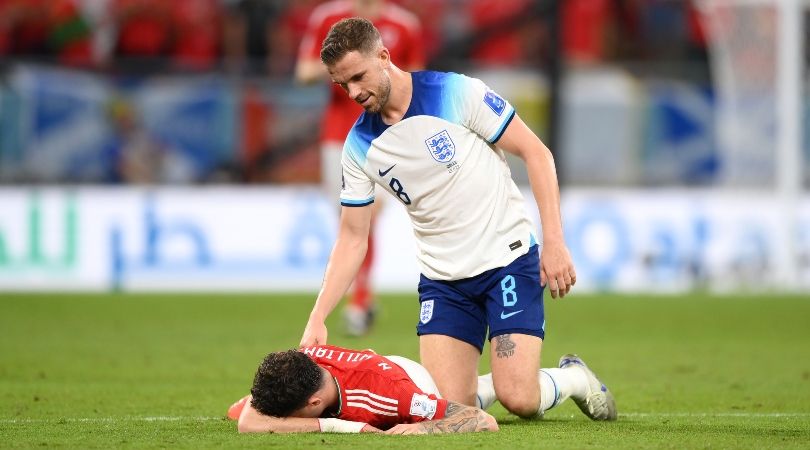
(279, 238)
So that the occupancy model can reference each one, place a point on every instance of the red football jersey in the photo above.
(401, 35)
(374, 390)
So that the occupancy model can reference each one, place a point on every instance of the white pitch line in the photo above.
(112, 419)
(715, 414)
(628, 415)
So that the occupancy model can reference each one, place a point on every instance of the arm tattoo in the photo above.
(504, 347)
(458, 419)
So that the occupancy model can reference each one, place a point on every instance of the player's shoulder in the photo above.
(435, 78)
(397, 14)
(331, 11)
(444, 85)
(374, 366)
(367, 128)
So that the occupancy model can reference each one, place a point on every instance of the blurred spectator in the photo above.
(196, 34)
(143, 32)
(294, 28)
(135, 156)
(663, 24)
(696, 33)
(249, 35)
(400, 32)
(152, 34)
(256, 130)
(440, 22)
(504, 31)
(587, 30)
(600, 31)
(45, 29)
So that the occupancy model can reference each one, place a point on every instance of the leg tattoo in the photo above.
(504, 347)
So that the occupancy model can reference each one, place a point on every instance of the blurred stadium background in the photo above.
(156, 158)
(150, 145)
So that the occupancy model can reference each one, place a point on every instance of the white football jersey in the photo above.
(441, 163)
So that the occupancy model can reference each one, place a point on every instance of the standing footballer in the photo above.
(403, 39)
(435, 142)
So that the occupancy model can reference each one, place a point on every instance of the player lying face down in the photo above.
(332, 389)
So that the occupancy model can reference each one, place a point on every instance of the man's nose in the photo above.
(354, 91)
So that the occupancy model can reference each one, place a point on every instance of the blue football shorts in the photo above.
(506, 300)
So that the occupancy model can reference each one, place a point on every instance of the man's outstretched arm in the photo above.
(557, 268)
(344, 263)
(252, 421)
(457, 419)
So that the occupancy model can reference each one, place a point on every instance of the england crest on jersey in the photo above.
(441, 147)
(427, 311)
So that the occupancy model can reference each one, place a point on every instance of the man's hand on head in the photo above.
(315, 333)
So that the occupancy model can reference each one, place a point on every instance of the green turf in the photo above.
(145, 371)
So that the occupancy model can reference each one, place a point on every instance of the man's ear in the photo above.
(314, 401)
(385, 58)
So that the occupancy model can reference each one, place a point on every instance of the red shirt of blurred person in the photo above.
(49, 28)
(185, 31)
(70, 36)
(401, 34)
(144, 27)
(585, 25)
(504, 46)
(196, 33)
(24, 27)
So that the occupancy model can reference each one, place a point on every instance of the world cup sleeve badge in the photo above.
(495, 102)
(441, 147)
(427, 311)
(423, 406)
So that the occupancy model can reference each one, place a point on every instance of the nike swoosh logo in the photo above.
(506, 316)
(382, 174)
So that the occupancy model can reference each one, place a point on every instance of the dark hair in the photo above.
(348, 35)
(284, 382)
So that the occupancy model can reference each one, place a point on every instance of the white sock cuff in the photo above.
(556, 397)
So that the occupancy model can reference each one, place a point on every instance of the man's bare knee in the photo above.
(520, 405)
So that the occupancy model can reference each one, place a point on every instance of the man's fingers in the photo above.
(558, 281)
(561, 287)
(553, 288)
(561, 284)
(398, 429)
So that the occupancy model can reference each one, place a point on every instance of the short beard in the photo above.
(384, 90)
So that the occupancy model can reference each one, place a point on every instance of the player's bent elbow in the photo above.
(249, 426)
(244, 428)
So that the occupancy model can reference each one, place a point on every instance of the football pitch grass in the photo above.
(157, 371)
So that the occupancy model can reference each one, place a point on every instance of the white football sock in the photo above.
(556, 385)
(486, 392)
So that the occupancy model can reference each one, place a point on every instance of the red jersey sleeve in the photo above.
(417, 406)
(317, 28)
